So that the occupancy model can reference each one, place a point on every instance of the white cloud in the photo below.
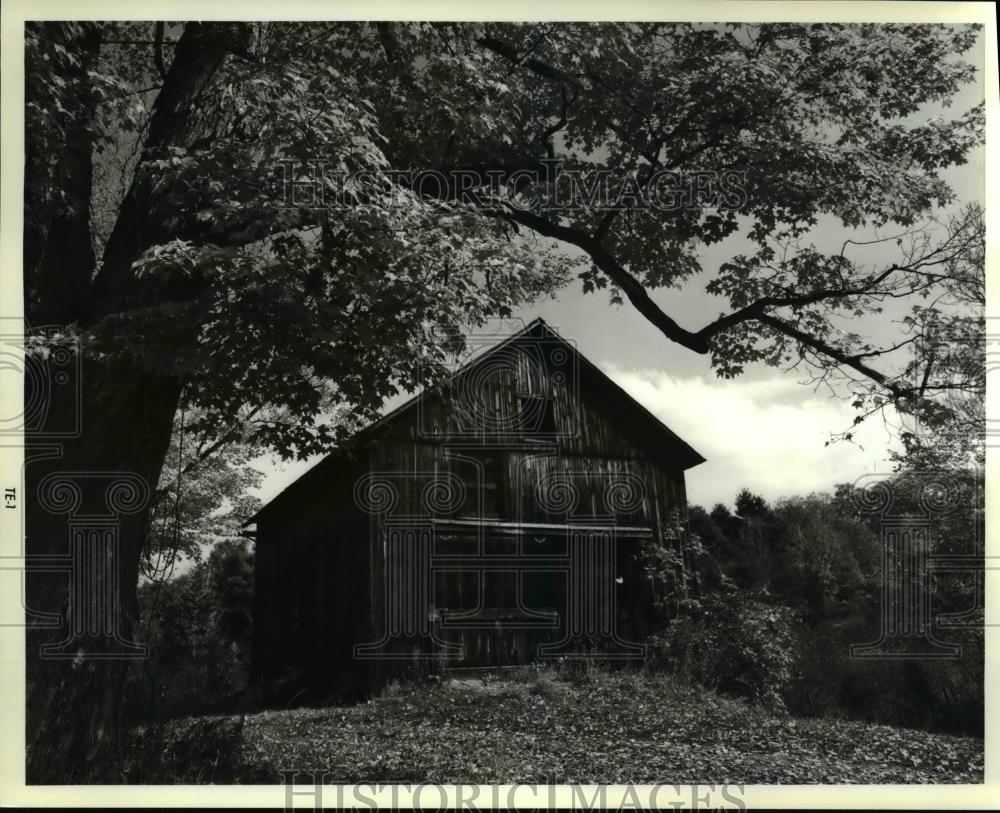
(766, 435)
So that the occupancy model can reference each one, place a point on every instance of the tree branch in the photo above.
(632, 288)
(699, 341)
(762, 305)
(200, 52)
(838, 355)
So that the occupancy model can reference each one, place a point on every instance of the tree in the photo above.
(182, 274)
(811, 120)
(757, 541)
(201, 499)
(939, 485)
(710, 528)
(210, 290)
(828, 560)
(751, 506)
(198, 626)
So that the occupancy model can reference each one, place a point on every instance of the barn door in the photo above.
(497, 600)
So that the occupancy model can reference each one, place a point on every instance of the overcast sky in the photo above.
(764, 430)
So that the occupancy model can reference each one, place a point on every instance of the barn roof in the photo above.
(651, 433)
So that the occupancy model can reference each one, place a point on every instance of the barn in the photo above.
(495, 519)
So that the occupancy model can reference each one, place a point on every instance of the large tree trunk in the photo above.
(87, 513)
(94, 456)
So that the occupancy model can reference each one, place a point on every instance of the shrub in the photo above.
(547, 686)
(736, 643)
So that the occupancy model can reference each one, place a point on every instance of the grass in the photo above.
(539, 726)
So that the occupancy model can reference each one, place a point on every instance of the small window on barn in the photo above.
(483, 476)
(537, 414)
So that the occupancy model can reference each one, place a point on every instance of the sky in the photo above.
(765, 430)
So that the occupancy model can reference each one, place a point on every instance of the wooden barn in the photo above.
(497, 519)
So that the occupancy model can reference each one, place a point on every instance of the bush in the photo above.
(736, 643)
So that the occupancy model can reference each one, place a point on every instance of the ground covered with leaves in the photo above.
(538, 726)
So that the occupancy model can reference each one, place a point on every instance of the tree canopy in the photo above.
(194, 260)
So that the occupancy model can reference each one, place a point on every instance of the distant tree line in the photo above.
(801, 582)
